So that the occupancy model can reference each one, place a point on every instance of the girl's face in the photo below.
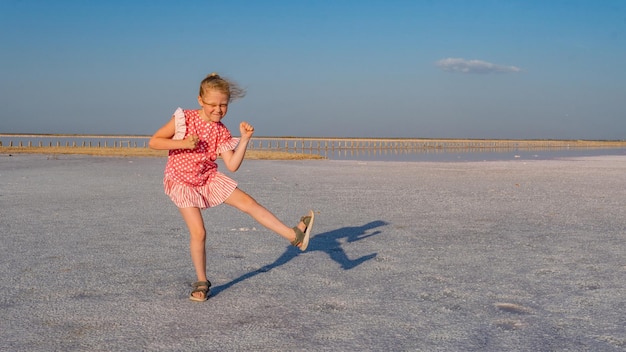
(213, 105)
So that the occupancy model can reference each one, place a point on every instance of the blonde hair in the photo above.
(214, 82)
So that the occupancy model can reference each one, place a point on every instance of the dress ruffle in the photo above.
(230, 144)
(179, 124)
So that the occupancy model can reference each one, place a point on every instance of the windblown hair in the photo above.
(230, 88)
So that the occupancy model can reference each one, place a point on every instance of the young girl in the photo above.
(194, 139)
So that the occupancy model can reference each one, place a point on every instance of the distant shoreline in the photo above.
(145, 152)
(284, 148)
(524, 140)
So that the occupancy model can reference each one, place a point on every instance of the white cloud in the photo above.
(473, 66)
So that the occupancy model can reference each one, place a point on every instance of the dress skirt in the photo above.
(217, 189)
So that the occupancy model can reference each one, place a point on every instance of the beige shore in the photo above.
(146, 152)
(273, 154)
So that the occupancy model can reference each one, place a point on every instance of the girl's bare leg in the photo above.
(242, 201)
(197, 241)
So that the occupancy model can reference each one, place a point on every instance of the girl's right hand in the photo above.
(191, 142)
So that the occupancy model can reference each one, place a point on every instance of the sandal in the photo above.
(200, 286)
(302, 238)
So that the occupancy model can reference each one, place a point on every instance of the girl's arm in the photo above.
(233, 158)
(162, 139)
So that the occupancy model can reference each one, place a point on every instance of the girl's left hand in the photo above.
(246, 129)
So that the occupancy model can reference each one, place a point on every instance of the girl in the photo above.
(194, 139)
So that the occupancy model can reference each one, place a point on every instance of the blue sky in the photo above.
(345, 68)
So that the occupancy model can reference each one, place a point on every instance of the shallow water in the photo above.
(468, 155)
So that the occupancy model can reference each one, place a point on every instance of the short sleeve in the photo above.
(227, 145)
(225, 141)
(179, 124)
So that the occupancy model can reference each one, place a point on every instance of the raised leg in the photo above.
(242, 201)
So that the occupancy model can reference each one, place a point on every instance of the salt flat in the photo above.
(423, 256)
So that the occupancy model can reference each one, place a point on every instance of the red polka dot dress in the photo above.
(191, 176)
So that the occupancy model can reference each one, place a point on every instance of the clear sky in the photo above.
(344, 68)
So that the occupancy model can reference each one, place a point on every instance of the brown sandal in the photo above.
(302, 238)
(200, 286)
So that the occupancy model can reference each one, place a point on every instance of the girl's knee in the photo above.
(250, 205)
(242, 201)
(198, 235)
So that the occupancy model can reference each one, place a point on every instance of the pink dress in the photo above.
(191, 176)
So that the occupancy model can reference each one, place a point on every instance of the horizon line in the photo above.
(77, 135)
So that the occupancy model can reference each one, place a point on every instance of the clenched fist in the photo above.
(191, 141)
(246, 130)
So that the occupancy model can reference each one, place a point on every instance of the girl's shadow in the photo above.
(328, 242)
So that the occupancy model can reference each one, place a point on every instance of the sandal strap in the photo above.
(198, 284)
(299, 236)
(306, 220)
